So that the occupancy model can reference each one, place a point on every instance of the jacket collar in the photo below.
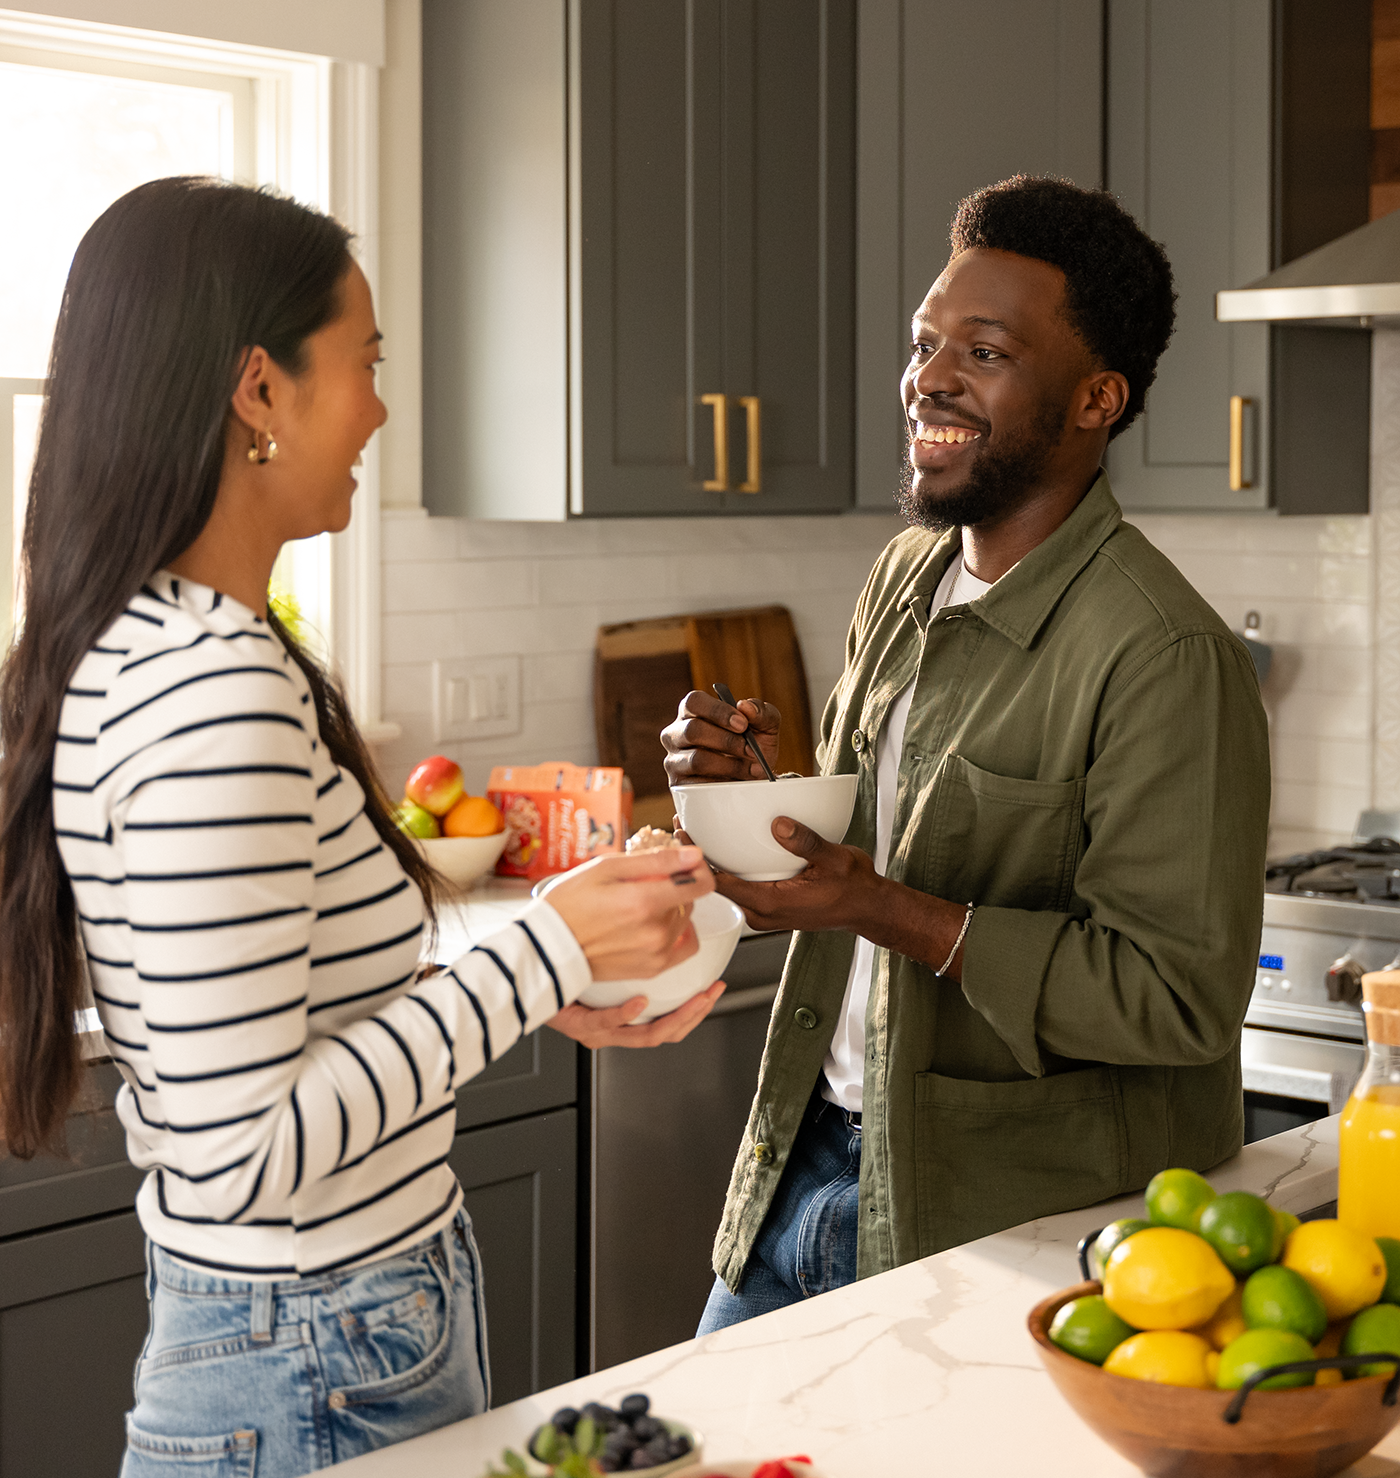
(1021, 602)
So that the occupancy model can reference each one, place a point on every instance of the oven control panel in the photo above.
(1312, 956)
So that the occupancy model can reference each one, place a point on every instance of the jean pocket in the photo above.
(149, 1455)
(399, 1324)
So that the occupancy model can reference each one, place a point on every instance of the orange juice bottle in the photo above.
(1368, 1177)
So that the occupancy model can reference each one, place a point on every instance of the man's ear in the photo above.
(252, 396)
(1103, 398)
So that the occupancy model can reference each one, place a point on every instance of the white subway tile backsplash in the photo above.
(460, 585)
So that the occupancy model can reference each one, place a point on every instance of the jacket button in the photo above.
(337, 1400)
(858, 741)
(763, 1153)
(805, 1018)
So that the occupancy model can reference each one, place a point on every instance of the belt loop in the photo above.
(261, 1312)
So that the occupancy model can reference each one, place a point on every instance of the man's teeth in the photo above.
(946, 433)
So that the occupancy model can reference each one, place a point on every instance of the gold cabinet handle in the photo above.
(753, 409)
(719, 483)
(1237, 405)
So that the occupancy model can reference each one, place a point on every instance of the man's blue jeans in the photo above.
(807, 1244)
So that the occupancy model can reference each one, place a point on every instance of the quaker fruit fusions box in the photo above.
(558, 815)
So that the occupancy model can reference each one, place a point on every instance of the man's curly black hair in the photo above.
(1118, 282)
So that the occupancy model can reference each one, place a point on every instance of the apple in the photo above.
(435, 784)
(417, 822)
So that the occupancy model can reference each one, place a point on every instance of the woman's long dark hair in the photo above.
(169, 289)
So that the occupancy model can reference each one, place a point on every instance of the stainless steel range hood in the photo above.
(1353, 281)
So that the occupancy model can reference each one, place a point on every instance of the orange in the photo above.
(472, 816)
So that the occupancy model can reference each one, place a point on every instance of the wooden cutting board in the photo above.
(643, 669)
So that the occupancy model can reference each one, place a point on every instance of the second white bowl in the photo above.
(732, 821)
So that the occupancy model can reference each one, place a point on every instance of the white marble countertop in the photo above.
(925, 1370)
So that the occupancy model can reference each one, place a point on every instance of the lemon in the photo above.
(1171, 1357)
(1176, 1198)
(1284, 1223)
(1242, 1230)
(1257, 1349)
(1088, 1328)
(1165, 1278)
(1227, 1324)
(1114, 1233)
(1390, 1250)
(1374, 1331)
(1345, 1268)
(1279, 1298)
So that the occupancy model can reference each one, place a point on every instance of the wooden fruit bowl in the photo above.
(1177, 1432)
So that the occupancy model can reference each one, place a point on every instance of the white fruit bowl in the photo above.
(731, 821)
(718, 924)
(463, 860)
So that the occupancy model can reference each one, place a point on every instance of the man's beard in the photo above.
(998, 479)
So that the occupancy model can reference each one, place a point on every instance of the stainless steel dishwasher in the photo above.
(665, 1126)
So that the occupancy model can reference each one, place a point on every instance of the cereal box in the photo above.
(558, 815)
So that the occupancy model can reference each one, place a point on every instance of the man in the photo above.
(1019, 987)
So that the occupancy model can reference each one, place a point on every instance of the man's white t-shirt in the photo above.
(845, 1062)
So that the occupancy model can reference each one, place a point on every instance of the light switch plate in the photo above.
(476, 698)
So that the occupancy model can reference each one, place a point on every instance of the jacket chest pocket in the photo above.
(1001, 841)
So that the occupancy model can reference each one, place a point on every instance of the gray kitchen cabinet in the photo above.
(72, 1322)
(951, 98)
(521, 1184)
(638, 257)
(1236, 134)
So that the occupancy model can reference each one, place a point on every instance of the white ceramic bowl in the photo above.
(462, 860)
(731, 822)
(717, 924)
(692, 1459)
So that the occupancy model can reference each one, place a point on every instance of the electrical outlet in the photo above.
(476, 698)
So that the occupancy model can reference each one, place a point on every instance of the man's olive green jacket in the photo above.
(1087, 761)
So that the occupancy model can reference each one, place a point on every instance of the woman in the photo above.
(185, 791)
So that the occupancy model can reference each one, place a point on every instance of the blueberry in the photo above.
(566, 1419)
(635, 1405)
(642, 1459)
(660, 1448)
(620, 1443)
(646, 1427)
(680, 1445)
(608, 1464)
(600, 1415)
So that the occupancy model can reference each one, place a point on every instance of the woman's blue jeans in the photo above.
(274, 1380)
(807, 1244)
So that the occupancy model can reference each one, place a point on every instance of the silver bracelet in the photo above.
(962, 934)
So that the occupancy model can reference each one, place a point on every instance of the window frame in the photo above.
(317, 139)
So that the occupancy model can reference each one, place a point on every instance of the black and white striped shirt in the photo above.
(252, 946)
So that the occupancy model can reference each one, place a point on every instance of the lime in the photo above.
(1114, 1233)
(1164, 1278)
(1175, 1198)
(1241, 1228)
(1284, 1222)
(1257, 1349)
(1344, 1267)
(1278, 1298)
(1171, 1357)
(1390, 1250)
(1227, 1324)
(1088, 1328)
(1374, 1331)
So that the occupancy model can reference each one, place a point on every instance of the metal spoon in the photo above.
(725, 696)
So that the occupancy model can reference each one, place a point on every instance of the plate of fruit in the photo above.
(600, 1439)
(1219, 1335)
(461, 835)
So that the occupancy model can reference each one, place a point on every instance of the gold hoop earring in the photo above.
(256, 454)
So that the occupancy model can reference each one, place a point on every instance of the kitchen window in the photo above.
(89, 111)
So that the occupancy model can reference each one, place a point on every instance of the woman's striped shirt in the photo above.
(252, 946)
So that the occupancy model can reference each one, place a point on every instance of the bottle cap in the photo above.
(1380, 1000)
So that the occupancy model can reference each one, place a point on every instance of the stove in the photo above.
(1328, 918)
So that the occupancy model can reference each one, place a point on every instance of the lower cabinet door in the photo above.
(72, 1322)
(521, 1183)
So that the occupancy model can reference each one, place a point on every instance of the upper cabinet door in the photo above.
(1189, 149)
(715, 201)
(639, 239)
